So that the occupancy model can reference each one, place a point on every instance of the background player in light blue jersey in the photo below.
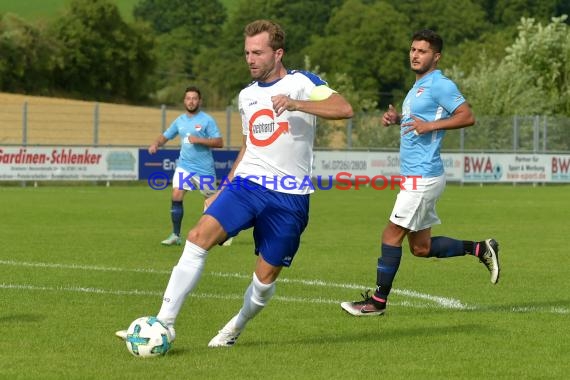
(198, 133)
(432, 106)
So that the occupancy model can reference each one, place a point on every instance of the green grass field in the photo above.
(49, 9)
(79, 262)
(46, 10)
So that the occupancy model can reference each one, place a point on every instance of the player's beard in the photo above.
(263, 73)
(260, 76)
(193, 109)
(422, 69)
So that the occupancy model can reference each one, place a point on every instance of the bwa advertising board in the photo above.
(459, 167)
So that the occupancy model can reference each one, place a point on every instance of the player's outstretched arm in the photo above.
(160, 141)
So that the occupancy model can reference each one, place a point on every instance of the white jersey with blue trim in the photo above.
(433, 97)
(194, 158)
(279, 149)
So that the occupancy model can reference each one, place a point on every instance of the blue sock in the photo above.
(388, 265)
(176, 214)
(444, 247)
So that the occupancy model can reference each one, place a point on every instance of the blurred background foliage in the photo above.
(509, 57)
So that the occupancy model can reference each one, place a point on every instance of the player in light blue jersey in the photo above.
(432, 106)
(195, 170)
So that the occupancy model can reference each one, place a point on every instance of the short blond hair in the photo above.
(276, 33)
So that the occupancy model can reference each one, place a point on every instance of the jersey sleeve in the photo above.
(212, 130)
(172, 131)
(447, 94)
(315, 87)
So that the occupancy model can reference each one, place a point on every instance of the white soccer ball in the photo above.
(148, 337)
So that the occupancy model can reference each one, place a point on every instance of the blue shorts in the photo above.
(278, 219)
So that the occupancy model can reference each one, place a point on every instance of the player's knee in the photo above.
(205, 236)
(178, 195)
(196, 236)
(419, 250)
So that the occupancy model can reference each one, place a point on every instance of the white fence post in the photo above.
(96, 124)
(25, 123)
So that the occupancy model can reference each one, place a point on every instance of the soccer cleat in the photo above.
(368, 306)
(172, 333)
(173, 239)
(490, 258)
(225, 338)
(228, 242)
(122, 334)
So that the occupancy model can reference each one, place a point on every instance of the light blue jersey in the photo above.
(194, 158)
(432, 97)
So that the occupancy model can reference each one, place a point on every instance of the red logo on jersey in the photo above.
(198, 127)
(420, 90)
(283, 128)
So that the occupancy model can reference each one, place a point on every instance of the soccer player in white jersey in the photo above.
(267, 190)
(432, 106)
(198, 133)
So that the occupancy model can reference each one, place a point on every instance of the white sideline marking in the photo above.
(441, 302)
(533, 309)
(447, 303)
(136, 292)
(79, 267)
(79, 289)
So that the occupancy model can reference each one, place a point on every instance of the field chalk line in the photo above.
(436, 301)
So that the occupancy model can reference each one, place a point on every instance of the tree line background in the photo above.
(509, 57)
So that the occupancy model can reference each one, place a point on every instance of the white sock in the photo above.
(256, 297)
(184, 277)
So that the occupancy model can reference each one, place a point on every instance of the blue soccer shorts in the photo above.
(278, 219)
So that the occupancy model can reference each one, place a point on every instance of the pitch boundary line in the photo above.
(137, 292)
(444, 302)
(437, 301)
